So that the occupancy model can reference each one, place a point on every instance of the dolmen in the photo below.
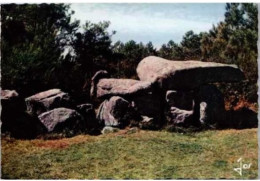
(169, 93)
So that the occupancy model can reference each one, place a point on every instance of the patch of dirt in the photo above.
(61, 143)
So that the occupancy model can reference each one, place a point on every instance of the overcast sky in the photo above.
(157, 23)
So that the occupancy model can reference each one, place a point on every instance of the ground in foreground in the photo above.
(140, 155)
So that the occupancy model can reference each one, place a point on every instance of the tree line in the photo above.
(43, 48)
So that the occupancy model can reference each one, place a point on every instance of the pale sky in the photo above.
(146, 22)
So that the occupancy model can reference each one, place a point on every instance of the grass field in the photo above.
(140, 155)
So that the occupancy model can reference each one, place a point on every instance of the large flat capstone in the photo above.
(121, 87)
(185, 75)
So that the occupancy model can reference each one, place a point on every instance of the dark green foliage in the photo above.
(235, 41)
(171, 51)
(91, 51)
(188, 49)
(33, 38)
(191, 45)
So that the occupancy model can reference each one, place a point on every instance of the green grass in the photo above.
(141, 155)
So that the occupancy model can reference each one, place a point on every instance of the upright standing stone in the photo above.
(95, 79)
(209, 105)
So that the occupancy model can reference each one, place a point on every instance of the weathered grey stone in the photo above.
(85, 108)
(204, 112)
(180, 99)
(132, 130)
(94, 80)
(179, 117)
(148, 123)
(11, 102)
(111, 112)
(60, 119)
(47, 100)
(109, 129)
(185, 75)
(121, 87)
(8, 94)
